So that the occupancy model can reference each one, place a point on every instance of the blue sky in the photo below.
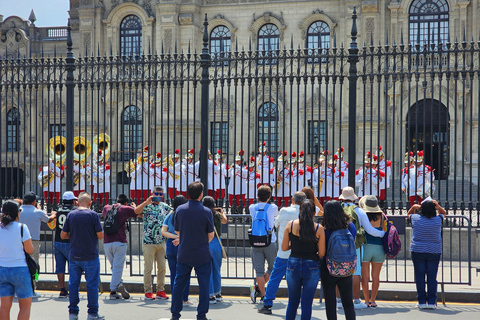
(49, 13)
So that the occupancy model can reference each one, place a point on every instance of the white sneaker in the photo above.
(212, 300)
(339, 304)
(187, 303)
(359, 305)
(115, 296)
(432, 306)
(36, 295)
(421, 305)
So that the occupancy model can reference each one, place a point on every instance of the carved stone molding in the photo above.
(219, 103)
(317, 15)
(369, 6)
(220, 20)
(267, 17)
(185, 19)
(167, 39)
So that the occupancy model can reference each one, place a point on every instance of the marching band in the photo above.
(285, 174)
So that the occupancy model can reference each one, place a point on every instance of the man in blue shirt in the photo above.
(194, 225)
(84, 229)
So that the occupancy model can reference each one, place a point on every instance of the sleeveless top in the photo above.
(303, 250)
(374, 240)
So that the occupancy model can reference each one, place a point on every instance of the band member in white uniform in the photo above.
(237, 187)
(408, 161)
(79, 172)
(318, 178)
(160, 172)
(385, 167)
(302, 174)
(331, 184)
(192, 167)
(173, 174)
(221, 172)
(50, 179)
(211, 173)
(253, 181)
(142, 178)
(264, 164)
(367, 179)
(342, 166)
(99, 173)
(421, 180)
(292, 166)
(280, 178)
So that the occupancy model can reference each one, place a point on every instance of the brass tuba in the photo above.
(130, 167)
(56, 149)
(81, 150)
(102, 142)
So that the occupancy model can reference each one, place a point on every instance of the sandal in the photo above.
(372, 305)
(368, 304)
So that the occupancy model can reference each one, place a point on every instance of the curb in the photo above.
(389, 295)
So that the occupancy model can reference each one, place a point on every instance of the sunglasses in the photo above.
(158, 193)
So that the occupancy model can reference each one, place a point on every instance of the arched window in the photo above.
(428, 22)
(318, 36)
(268, 118)
(268, 42)
(131, 36)
(132, 131)
(13, 130)
(220, 40)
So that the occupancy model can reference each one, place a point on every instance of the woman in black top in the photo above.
(334, 218)
(306, 239)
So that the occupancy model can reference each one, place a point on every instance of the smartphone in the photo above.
(156, 199)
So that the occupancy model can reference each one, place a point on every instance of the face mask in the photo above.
(156, 199)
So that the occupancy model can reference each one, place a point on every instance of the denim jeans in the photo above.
(203, 279)
(215, 286)
(426, 264)
(115, 253)
(61, 250)
(302, 281)
(92, 276)
(279, 270)
(172, 252)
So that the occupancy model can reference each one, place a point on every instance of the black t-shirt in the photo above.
(62, 213)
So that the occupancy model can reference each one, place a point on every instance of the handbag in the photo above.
(224, 252)
(32, 264)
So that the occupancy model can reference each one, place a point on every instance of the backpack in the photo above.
(259, 234)
(350, 211)
(341, 254)
(110, 226)
(391, 240)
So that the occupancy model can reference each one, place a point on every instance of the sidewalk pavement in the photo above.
(49, 306)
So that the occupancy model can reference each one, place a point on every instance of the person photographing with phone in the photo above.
(154, 212)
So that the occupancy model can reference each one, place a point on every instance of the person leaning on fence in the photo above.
(84, 229)
(262, 254)
(32, 216)
(115, 244)
(306, 239)
(285, 215)
(426, 249)
(168, 231)
(219, 218)
(153, 212)
(373, 253)
(61, 247)
(360, 219)
(194, 226)
(15, 278)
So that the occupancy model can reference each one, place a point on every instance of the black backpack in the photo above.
(110, 226)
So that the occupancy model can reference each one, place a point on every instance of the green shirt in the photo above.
(153, 216)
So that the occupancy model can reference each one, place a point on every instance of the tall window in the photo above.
(316, 137)
(132, 131)
(219, 136)
(13, 130)
(268, 42)
(268, 118)
(57, 130)
(318, 36)
(428, 22)
(220, 40)
(130, 36)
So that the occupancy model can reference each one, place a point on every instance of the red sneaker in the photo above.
(149, 296)
(162, 295)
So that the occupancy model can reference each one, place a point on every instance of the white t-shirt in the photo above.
(272, 212)
(11, 250)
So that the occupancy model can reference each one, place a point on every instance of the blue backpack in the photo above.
(260, 234)
(341, 254)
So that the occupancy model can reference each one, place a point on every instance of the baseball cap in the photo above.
(30, 196)
(68, 195)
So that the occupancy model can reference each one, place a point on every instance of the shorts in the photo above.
(260, 255)
(358, 269)
(15, 280)
(61, 250)
(373, 253)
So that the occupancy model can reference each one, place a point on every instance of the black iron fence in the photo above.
(414, 98)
